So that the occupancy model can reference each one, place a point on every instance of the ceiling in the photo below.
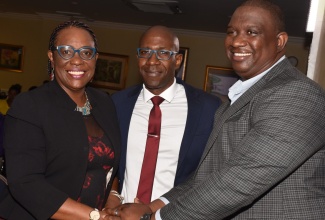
(198, 15)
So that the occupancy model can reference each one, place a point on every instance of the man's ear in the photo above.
(179, 59)
(282, 38)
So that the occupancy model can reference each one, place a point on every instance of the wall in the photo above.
(33, 33)
(321, 58)
(316, 64)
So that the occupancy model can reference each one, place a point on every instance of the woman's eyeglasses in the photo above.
(67, 52)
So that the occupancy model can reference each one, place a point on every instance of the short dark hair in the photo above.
(274, 9)
(64, 25)
(15, 87)
(32, 87)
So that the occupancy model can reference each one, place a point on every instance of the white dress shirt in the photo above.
(174, 115)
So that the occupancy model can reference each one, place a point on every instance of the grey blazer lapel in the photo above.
(225, 111)
(218, 118)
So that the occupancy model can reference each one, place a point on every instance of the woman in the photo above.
(62, 139)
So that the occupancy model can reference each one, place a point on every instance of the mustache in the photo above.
(152, 69)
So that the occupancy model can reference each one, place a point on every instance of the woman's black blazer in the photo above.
(46, 149)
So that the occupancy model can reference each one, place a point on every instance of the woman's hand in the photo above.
(128, 211)
(112, 202)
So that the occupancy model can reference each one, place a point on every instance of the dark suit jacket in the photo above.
(265, 157)
(47, 149)
(201, 109)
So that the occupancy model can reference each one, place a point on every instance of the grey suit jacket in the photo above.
(265, 158)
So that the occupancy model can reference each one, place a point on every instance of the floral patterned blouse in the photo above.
(100, 161)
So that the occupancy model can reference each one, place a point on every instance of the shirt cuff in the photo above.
(157, 215)
(164, 200)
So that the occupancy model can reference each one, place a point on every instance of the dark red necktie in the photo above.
(150, 156)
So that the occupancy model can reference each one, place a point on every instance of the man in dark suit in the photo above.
(187, 117)
(266, 154)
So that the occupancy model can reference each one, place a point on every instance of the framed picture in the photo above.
(218, 80)
(111, 71)
(180, 73)
(11, 57)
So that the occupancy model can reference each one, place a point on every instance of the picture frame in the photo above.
(11, 57)
(111, 71)
(181, 72)
(218, 80)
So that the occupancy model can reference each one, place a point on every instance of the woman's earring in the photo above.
(52, 74)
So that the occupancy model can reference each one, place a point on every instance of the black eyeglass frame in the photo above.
(156, 53)
(57, 48)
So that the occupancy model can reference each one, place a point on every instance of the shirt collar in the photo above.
(242, 86)
(168, 94)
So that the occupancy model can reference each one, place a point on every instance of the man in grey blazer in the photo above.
(265, 158)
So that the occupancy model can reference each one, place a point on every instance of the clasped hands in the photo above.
(127, 211)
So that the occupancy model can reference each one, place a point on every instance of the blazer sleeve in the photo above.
(26, 160)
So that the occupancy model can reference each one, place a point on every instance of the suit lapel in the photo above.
(194, 109)
(219, 119)
(225, 111)
(125, 113)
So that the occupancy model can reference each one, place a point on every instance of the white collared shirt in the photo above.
(174, 115)
(240, 87)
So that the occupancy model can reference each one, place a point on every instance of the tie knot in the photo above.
(157, 100)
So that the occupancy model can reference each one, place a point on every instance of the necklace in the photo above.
(85, 110)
